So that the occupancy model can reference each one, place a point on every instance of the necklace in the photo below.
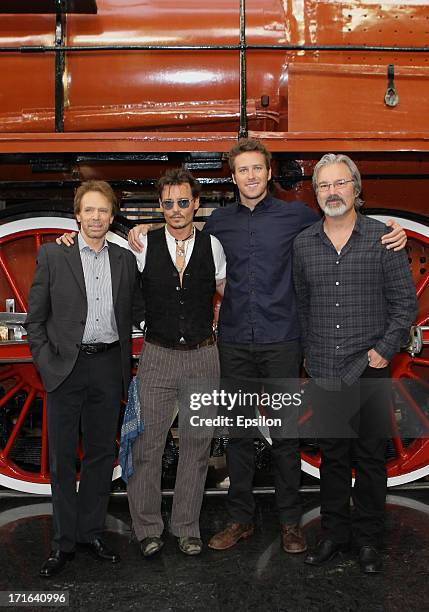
(181, 249)
(180, 242)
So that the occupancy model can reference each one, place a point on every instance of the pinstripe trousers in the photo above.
(165, 378)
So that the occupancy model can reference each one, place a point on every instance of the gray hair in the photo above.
(332, 158)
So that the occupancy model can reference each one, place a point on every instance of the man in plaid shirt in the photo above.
(356, 302)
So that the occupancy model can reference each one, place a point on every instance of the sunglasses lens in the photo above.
(184, 203)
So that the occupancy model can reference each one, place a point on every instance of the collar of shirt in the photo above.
(317, 228)
(261, 206)
(171, 244)
(171, 240)
(84, 245)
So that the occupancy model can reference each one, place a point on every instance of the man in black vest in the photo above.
(181, 269)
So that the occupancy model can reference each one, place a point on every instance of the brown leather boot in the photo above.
(231, 535)
(293, 539)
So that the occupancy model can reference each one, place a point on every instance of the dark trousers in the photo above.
(240, 362)
(89, 397)
(366, 452)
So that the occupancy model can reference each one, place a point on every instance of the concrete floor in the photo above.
(256, 574)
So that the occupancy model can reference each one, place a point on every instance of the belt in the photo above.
(97, 347)
(177, 346)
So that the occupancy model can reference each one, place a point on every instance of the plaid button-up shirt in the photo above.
(352, 301)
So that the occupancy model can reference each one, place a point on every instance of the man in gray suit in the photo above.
(82, 303)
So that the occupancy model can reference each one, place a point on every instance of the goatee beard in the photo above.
(335, 212)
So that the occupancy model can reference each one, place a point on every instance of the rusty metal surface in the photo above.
(199, 90)
(176, 103)
(126, 142)
(47, 6)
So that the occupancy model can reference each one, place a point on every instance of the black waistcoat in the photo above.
(173, 311)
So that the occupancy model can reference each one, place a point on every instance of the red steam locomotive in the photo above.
(121, 90)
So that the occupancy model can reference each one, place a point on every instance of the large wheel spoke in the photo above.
(19, 423)
(396, 436)
(400, 451)
(410, 401)
(6, 372)
(420, 381)
(422, 284)
(11, 393)
(419, 361)
(8, 274)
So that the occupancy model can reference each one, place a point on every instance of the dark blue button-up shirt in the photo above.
(259, 302)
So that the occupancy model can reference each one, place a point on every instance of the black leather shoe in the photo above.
(370, 560)
(56, 561)
(325, 551)
(100, 551)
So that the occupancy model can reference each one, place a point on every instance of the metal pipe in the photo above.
(87, 48)
(59, 72)
(242, 133)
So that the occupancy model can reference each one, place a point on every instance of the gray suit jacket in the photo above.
(57, 309)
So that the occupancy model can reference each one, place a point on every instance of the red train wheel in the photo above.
(408, 459)
(24, 464)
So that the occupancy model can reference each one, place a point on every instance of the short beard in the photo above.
(336, 211)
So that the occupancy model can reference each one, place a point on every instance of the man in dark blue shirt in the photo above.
(258, 327)
(259, 331)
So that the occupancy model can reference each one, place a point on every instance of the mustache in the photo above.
(334, 198)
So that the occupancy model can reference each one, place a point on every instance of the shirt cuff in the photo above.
(385, 350)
